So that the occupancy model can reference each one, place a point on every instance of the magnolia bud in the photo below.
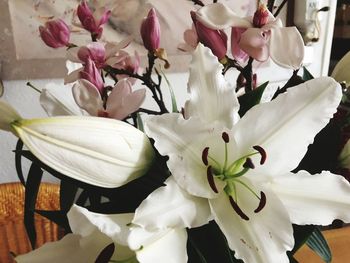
(92, 22)
(92, 74)
(261, 16)
(55, 33)
(150, 31)
(216, 40)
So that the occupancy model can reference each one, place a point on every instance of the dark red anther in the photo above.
(262, 153)
(262, 202)
(249, 163)
(225, 137)
(211, 181)
(205, 154)
(237, 209)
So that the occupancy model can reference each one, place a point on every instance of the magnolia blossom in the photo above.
(270, 40)
(102, 55)
(93, 21)
(97, 151)
(93, 232)
(239, 169)
(120, 103)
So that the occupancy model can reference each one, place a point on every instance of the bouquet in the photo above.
(225, 179)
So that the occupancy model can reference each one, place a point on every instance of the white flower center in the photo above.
(231, 174)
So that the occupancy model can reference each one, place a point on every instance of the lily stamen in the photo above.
(262, 152)
(237, 209)
(262, 202)
(211, 181)
(249, 163)
(205, 154)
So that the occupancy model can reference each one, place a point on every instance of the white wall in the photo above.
(25, 100)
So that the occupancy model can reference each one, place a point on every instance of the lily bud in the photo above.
(55, 33)
(92, 74)
(261, 16)
(216, 40)
(7, 116)
(98, 151)
(150, 31)
(92, 22)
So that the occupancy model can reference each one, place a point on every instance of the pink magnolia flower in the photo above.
(55, 33)
(191, 40)
(92, 21)
(216, 40)
(121, 102)
(91, 73)
(128, 63)
(101, 54)
(284, 45)
(150, 31)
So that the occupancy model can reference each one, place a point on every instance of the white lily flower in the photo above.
(58, 100)
(93, 232)
(8, 115)
(272, 39)
(254, 208)
(98, 151)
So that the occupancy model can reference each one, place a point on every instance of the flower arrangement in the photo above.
(226, 179)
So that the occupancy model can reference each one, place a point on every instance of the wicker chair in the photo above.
(13, 237)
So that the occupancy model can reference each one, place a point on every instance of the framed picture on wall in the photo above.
(23, 55)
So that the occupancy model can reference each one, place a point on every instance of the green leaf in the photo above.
(31, 192)
(139, 122)
(251, 99)
(306, 74)
(58, 217)
(301, 235)
(319, 245)
(18, 161)
(173, 98)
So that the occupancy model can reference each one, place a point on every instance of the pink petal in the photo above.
(236, 51)
(254, 42)
(121, 102)
(87, 96)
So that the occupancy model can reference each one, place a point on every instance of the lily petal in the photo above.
(7, 116)
(120, 154)
(166, 246)
(70, 249)
(212, 98)
(84, 222)
(184, 148)
(287, 38)
(57, 100)
(298, 115)
(220, 16)
(170, 206)
(314, 199)
(87, 96)
(263, 238)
